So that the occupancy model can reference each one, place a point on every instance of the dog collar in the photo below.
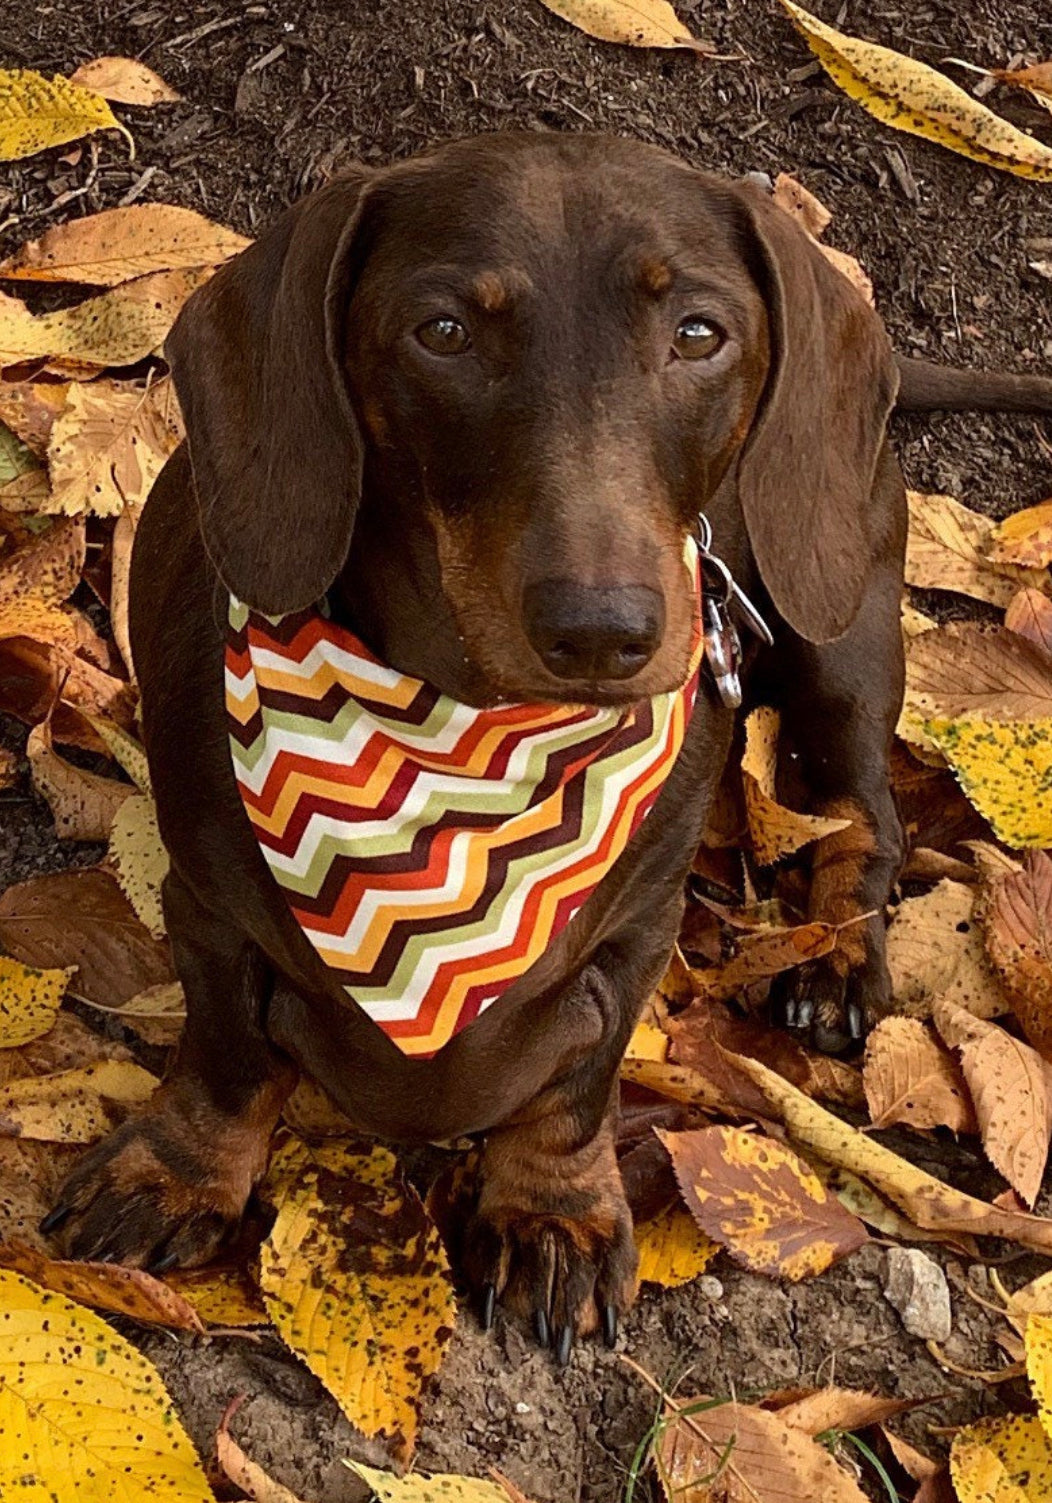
(429, 850)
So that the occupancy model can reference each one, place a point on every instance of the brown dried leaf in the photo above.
(122, 1291)
(935, 949)
(1019, 940)
(759, 1200)
(740, 1453)
(949, 549)
(801, 204)
(118, 245)
(124, 80)
(840, 1409)
(82, 918)
(762, 955)
(120, 581)
(775, 831)
(967, 669)
(1025, 538)
(1009, 1084)
(246, 1475)
(83, 804)
(1029, 615)
(1035, 80)
(909, 1077)
(109, 445)
(48, 568)
(29, 408)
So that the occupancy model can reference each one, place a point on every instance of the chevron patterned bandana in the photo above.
(430, 851)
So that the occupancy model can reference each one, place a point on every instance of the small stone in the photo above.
(916, 1286)
(521, 1408)
(710, 1288)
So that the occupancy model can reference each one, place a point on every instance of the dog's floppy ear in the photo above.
(806, 471)
(275, 449)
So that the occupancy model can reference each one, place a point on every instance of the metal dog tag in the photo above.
(721, 591)
(723, 652)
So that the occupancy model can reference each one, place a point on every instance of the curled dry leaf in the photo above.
(121, 1291)
(1024, 538)
(120, 327)
(1035, 80)
(124, 80)
(935, 949)
(751, 1452)
(910, 1077)
(863, 1201)
(1009, 1085)
(72, 1391)
(632, 23)
(125, 750)
(1029, 615)
(49, 567)
(440, 1487)
(140, 859)
(775, 831)
(246, 1475)
(74, 1106)
(83, 804)
(357, 1283)
(1019, 939)
(672, 1248)
(765, 954)
(801, 204)
(1002, 1461)
(109, 445)
(118, 245)
(929, 1202)
(29, 1000)
(912, 97)
(948, 548)
(36, 113)
(839, 1409)
(759, 1200)
(29, 408)
(82, 918)
(157, 1014)
(120, 582)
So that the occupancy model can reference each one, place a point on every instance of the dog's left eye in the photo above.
(696, 339)
(444, 336)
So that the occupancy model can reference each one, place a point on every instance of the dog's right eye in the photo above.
(444, 336)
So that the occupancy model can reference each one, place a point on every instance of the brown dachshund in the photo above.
(476, 402)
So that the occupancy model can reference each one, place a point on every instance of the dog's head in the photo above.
(533, 359)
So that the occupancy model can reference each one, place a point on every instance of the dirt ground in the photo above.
(277, 96)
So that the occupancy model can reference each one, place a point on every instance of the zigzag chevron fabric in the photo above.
(429, 850)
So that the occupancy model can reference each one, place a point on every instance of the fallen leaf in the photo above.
(935, 948)
(1024, 538)
(119, 245)
(357, 1283)
(221, 1296)
(1002, 1461)
(909, 1077)
(439, 1487)
(762, 955)
(74, 1106)
(30, 407)
(124, 80)
(647, 1042)
(913, 1462)
(120, 582)
(1029, 615)
(948, 548)
(41, 620)
(157, 1015)
(125, 750)
(37, 113)
(969, 670)
(1009, 1086)
(41, 680)
(121, 1291)
(678, 1083)
(929, 1202)
(246, 1475)
(1034, 1298)
(15, 458)
(1019, 940)
(801, 204)
(672, 1248)
(8, 768)
(29, 1000)
(48, 568)
(108, 447)
(839, 1409)
(912, 97)
(81, 917)
(633, 23)
(83, 804)
(1038, 1344)
(759, 1200)
(748, 1453)
(119, 327)
(140, 859)
(863, 1201)
(775, 830)
(1005, 768)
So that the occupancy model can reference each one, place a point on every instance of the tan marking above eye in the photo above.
(655, 276)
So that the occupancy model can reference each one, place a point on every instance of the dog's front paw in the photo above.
(834, 1001)
(154, 1194)
(551, 1238)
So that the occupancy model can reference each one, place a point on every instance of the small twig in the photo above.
(1000, 1375)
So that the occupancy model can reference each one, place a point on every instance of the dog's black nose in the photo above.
(582, 632)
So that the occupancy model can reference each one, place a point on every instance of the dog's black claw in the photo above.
(541, 1329)
(562, 1350)
(610, 1326)
(489, 1304)
(54, 1219)
(162, 1265)
(854, 1020)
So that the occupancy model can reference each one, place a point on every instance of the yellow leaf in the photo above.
(108, 447)
(49, 566)
(246, 1475)
(1034, 1298)
(1025, 538)
(140, 859)
(124, 80)
(949, 548)
(1038, 1342)
(357, 1283)
(935, 949)
(909, 1077)
(119, 327)
(915, 98)
(633, 23)
(442, 1487)
(647, 1042)
(775, 831)
(120, 1291)
(74, 1106)
(672, 1248)
(125, 750)
(1002, 1461)
(82, 1413)
(36, 113)
(29, 1001)
(221, 1296)
(83, 804)
(1005, 768)
(119, 245)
